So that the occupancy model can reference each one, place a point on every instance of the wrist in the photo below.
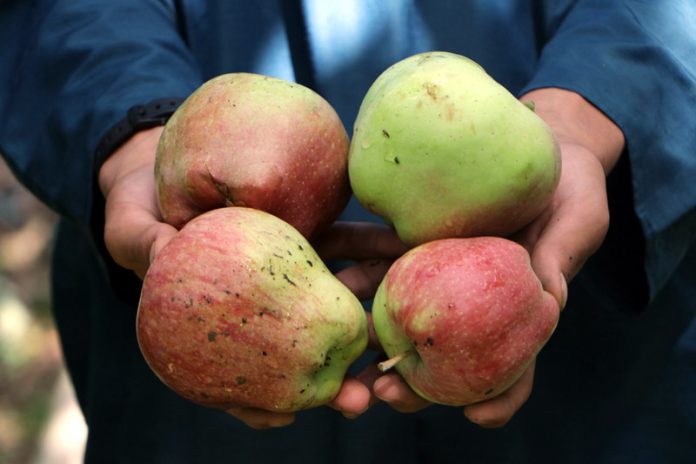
(576, 121)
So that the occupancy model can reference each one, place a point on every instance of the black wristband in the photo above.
(155, 113)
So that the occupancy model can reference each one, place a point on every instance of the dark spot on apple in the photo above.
(385, 133)
(285, 276)
(396, 160)
(270, 270)
(207, 299)
(488, 392)
(241, 380)
(237, 295)
(294, 343)
(264, 353)
(429, 341)
(211, 336)
(260, 313)
(300, 247)
(310, 263)
(204, 395)
(228, 292)
(244, 321)
(302, 391)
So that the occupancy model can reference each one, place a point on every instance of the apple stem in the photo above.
(384, 366)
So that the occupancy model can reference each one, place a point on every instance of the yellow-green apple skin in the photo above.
(470, 313)
(244, 139)
(440, 149)
(238, 310)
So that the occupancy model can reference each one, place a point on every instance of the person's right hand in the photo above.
(134, 233)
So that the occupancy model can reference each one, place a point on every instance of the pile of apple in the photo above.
(238, 310)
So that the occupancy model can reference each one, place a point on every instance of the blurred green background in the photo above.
(39, 420)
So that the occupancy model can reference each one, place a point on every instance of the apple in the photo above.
(461, 319)
(238, 310)
(441, 150)
(245, 139)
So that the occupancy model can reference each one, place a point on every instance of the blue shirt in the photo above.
(615, 384)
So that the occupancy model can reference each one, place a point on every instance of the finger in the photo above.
(259, 419)
(133, 231)
(393, 390)
(134, 237)
(573, 228)
(368, 377)
(364, 277)
(353, 398)
(373, 342)
(359, 240)
(498, 411)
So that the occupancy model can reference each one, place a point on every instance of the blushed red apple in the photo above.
(250, 140)
(462, 319)
(239, 311)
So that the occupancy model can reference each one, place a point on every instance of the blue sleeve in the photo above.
(76, 67)
(636, 62)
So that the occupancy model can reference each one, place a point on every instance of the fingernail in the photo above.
(388, 392)
(564, 291)
(350, 415)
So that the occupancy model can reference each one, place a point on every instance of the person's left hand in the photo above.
(559, 241)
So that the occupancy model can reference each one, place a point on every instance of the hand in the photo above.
(133, 231)
(560, 240)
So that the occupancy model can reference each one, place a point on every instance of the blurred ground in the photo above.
(39, 419)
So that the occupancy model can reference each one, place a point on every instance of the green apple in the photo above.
(440, 149)
(461, 319)
(238, 310)
(245, 139)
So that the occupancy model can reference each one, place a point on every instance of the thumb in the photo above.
(573, 228)
(133, 237)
